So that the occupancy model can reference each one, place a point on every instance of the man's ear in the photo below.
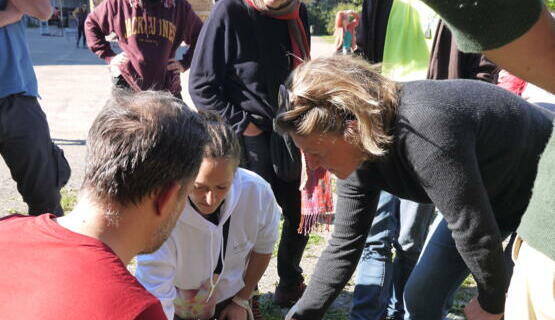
(166, 198)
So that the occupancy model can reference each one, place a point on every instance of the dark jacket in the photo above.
(372, 29)
(448, 62)
(470, 148)
(240, 61)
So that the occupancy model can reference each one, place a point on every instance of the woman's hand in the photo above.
(233, 312)
(473, 311)
(116, 62)
(252, 130)
(175, 65)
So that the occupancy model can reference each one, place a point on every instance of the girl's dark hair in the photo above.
(222, 140)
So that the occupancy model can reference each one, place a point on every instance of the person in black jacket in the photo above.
(469, 147)
(246, 50)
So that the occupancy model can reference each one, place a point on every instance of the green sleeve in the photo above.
(480, 25)
(538, 223)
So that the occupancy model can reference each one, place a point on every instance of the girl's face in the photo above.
(212, 184)
(331, 152)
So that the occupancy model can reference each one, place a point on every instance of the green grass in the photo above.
(314, 240)
(273, 312)
(276, 245)
(69, 199)
(463, 295)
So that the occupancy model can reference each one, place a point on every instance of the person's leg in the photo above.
(78, 36)
(437, 275)
(374, 270)
(414, 220)
(531, 294)
(36, 164)
(84, 37)
(292, 244)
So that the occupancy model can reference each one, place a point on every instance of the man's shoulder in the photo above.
(77, 267)
(109, 286)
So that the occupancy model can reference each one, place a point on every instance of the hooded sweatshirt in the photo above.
(185, 263)
(149, 34)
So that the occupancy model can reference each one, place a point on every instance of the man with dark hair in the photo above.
(144, 151)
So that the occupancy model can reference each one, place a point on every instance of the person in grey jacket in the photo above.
(470, 148)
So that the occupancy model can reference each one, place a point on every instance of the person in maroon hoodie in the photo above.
(149, 32)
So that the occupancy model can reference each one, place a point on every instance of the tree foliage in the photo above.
(321, 13)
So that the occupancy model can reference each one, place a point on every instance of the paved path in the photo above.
(74, 84)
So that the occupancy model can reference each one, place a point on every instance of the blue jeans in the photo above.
(380, 281)
(438, 274)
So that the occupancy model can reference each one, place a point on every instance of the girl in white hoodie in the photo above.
(223, 241)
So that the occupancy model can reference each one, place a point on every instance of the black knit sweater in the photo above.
(241, 59)
(470, 148)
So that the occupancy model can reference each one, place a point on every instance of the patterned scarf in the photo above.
(290, 12)
(316, 188)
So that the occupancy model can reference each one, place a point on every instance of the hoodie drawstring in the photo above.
(212, 284)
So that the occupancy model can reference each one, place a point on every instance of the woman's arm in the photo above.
(40, 9)
(258, 262)
(10, 15)
(97, 26)
(193, 25)
(531, 56)
(518, 35)
(356, 206)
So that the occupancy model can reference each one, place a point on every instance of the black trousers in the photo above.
(81, 33)
(35, 162)
(288, 196)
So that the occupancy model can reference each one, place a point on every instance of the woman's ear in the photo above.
(351, 132)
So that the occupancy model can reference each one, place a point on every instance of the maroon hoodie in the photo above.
(149, 35)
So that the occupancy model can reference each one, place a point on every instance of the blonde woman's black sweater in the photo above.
(469, 147)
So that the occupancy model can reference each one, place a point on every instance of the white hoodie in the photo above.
(186, 261)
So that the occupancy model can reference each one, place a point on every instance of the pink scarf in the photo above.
(316, 195)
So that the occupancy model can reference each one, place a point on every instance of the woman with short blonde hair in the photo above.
(468, 147)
